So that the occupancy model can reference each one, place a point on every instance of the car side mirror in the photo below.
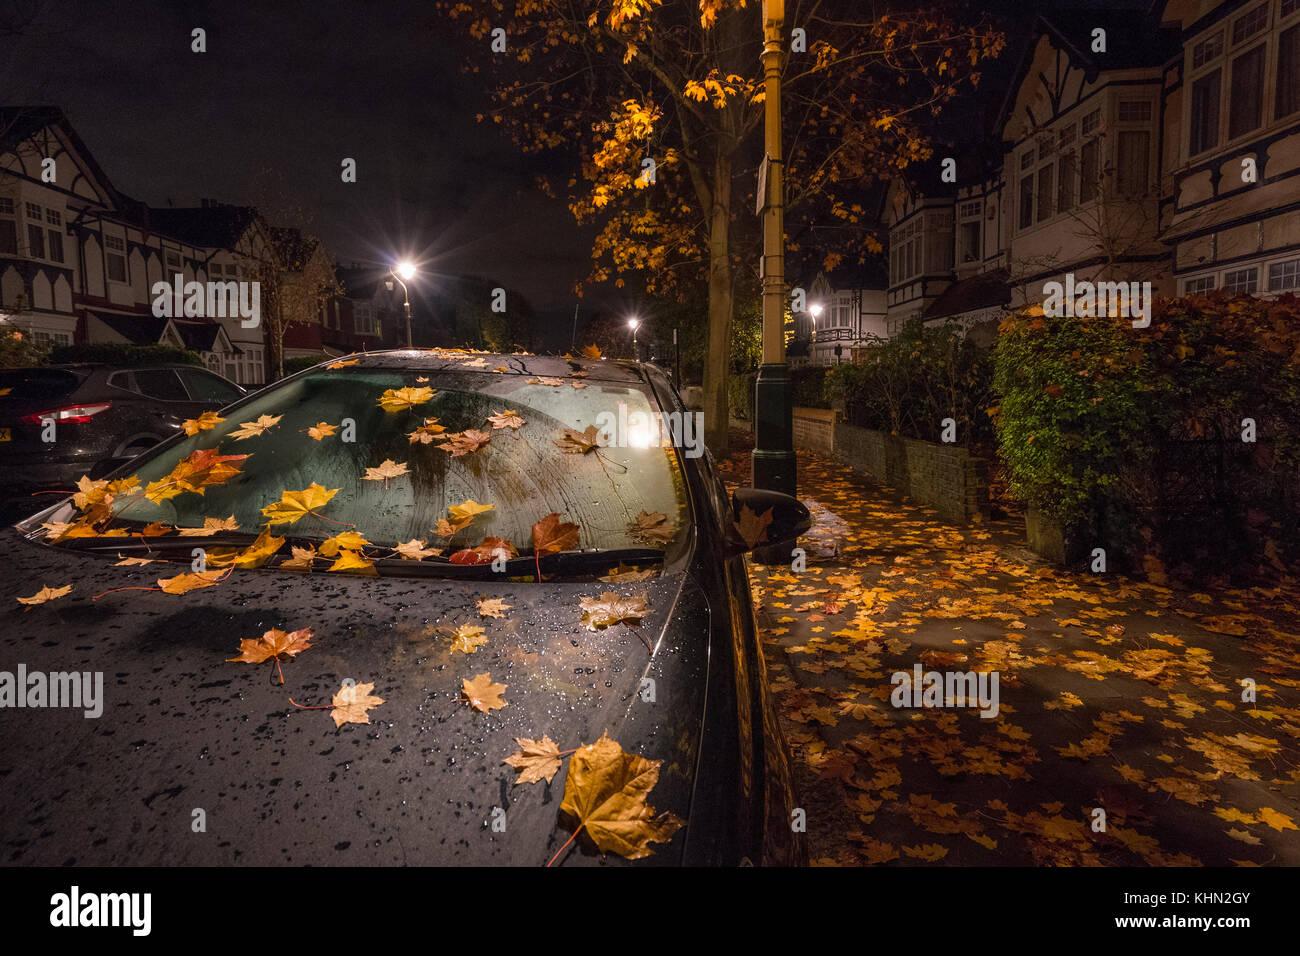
(761, 518)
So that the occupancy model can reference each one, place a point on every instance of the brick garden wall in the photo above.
(814, 430)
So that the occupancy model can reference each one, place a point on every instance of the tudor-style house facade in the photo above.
(1172, 156)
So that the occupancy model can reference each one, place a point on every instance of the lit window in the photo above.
(1241, 281)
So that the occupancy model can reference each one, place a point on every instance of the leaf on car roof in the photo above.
(609, 609)
(535, 760)
(483, 694)
(352, 702)
(507, 419)
(46, 593)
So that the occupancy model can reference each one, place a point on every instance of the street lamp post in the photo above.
(773, 456)
(404, 270)
(632, 324)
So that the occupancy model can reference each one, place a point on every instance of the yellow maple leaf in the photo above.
(397, 399)
(204, 422)
(385, 470)
(210, 526)
(46, 593)
(348, 540)
(353, 561)
(294, 505)
(535, 760)
(467, 510)
(483, 694)
(183, 583)
(469, 638)
(257, 553)
(322, 430)
(255, 428)
(352, 702)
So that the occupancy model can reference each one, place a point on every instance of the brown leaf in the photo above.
(535, 760)
(273, 643)
(352, 702)
(385, 470)
(652, 528)
(507, 419)
(753, 526)
(550, 535)
(492, 607)
(255, 428)
(483, 694)
(579, 443)
(462, 443)
(183, 583)
(46, 593)
(609, 609)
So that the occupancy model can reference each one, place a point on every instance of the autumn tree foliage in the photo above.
(657, 105)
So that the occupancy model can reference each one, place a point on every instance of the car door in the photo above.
(169, 402)
(209, 390)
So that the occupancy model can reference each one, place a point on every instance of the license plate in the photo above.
(4, 435)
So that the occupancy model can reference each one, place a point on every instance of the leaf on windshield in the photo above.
(257, 553)
(507, 419)
(322, 430)
(551, 535)
(430, 431)
(154, 529)
(415, 550)
(352, 702)
(221, 557)
(487, 551)
(652, 527)
(294, 505)
(467, 511)
(468, 638)
(132, 562)
(303, 559)
(204, 422)
(482, 694)
(492, 607)
(194, 472)
(348, 540)
(254, 428)
(579, 443)
(210, 526)
(343, 364)
(535, 760)
(46, 593)
(753, 526)
(606, 792)
(609, 609)
(272, 643)
(553, 382)
(462, 443)
(353, 561)
(183, 583)
(385, 470)
(592, 352)
(622, 573)
(397, 399)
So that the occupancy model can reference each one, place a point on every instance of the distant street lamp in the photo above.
(632, 324)
(404, 270)
(815, 309)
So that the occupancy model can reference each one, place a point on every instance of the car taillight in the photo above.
(71, 413)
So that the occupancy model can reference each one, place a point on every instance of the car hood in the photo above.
(184, 730)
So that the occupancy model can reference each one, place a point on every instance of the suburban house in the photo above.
(844, 315)
(1161, 147)
(362, 317)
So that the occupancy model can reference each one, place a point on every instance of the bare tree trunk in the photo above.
(717, 415)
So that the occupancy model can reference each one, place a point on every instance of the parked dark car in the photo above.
(102, 415)
(185, 731)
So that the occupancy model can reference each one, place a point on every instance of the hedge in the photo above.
(122, 353)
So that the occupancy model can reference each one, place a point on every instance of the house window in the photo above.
(1134, 111)
(8, 228)
(1241, 281)
(35, 242)
(1284, 276)
(1287, 99)
(1133, 168)
(1207, 50)
(53, 217)
(115, 247)
(1248, 25)
(969, 239)
(1089, 171)
(33, 211)
(1246, 93)
(1090, 123)
(173, 260)
(1289, 7)
(56, 245)
(1067, 170)
(1045, 189)
(1205, 112)
(1198, 286)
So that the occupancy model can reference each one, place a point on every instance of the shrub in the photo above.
(124, 353)
(300, 362)
(1134, 438)
(809, 387)
(740, 394)
(17, 350)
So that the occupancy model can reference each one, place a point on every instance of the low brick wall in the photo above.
(945, 477)
(814, 430)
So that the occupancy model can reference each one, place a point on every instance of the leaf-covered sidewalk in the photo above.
(1115, 693)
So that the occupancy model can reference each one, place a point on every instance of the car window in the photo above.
(523, 474)
(121, 380)
(206, 387)
(37, 384)
(162, 383)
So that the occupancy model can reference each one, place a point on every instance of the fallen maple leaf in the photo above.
(507, 419)
(492, 607)
(385, 470)
(606, 791)
(303, 559)
(609, 608)
(353, 561)
(551, 536)
(210, 526)
(294, 505)
(204, 422)
(341, 364)
(183, 583)
(347, 541)
(397, 399)
(467, 511)
(753, 526)
(462, 443)
(483, 694)
(46, 593)
(592, 352)
(621, 573)
(351, 703)
(257, 553)
(132, 562)
(553, 382)
(579, 443)
(254, 428)
(652, 527)
(194, 473)
(273, 643)
(322, 430)
(468, 638)
(535, 760)
(414, 550)
(430, 431)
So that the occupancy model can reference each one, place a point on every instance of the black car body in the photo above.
(185, 733)
(101, 414)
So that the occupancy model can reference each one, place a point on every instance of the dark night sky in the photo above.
(283, 93)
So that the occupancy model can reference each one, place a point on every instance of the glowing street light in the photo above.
(632, 324)
(405, 270)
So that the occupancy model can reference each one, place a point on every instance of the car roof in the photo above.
(538, 366)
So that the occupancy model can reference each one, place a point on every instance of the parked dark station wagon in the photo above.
(390, 503)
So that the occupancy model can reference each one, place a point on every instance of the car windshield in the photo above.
(463, 460)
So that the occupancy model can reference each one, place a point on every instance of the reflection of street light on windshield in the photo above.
(632, 324)
(405, 270)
